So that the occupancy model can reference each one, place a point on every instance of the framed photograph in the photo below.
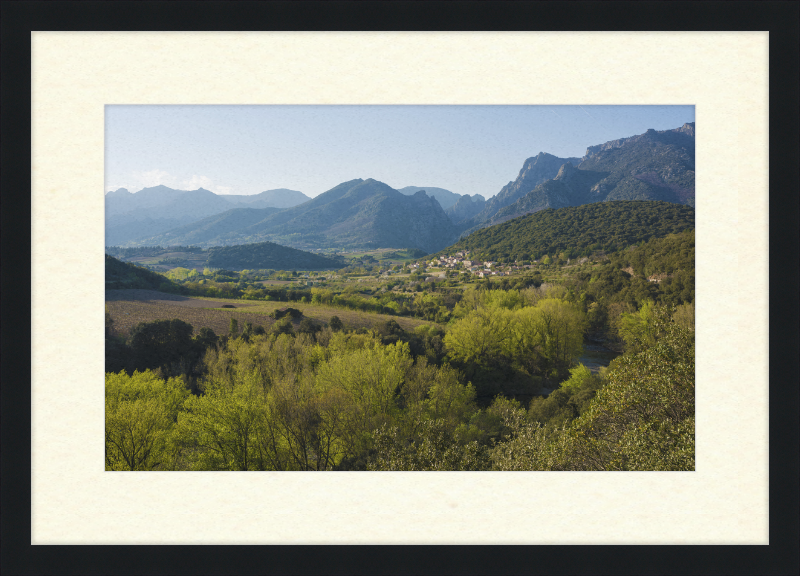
(730, 80)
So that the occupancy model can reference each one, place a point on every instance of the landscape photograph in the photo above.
(399, 288)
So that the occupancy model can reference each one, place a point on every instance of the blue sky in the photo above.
(249, 149)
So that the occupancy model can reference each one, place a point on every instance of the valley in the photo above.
(549, 326)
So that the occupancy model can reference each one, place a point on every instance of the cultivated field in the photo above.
(130, 307)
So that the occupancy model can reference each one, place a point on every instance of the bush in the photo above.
(307, 326)
(161, 343)
(283, 326)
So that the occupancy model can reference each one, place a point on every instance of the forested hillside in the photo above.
(122, 275)
(576, 231)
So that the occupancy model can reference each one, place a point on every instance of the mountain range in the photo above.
(158, 209)
(656, 165)
(359, 213)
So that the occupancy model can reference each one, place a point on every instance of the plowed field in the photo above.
(130, 307)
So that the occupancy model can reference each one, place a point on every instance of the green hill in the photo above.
(577, 230)
(266, 255)
(121, 275)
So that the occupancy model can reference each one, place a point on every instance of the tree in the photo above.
(110, 332)
(335, 323)
(435, 448)
(307, 326)
(576, 379)
(560, 326)
(140, 415)
(247, 331)
(368, 380)
(643, 418)
(480, 337)
(220, 429)
(684, 316)
(283, 326)
(233, 329)
(162, 344)
(206, 338)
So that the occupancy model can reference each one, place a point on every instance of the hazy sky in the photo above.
(249, 149)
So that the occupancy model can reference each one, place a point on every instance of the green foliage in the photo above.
(308, 326)
(579, 230)
(389, 398)
(641, 419)
(577, 376)
(220, 429)
(684, 316)
(435, 448)
(637, 329)
(282, 312)
(162, 344)
(140, 416)
(526, 445)
(566, 403)
(283, 326)
(495, 344)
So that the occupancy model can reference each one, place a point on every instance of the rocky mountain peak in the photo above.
(651, 135)
(566, 170)
(687, 128)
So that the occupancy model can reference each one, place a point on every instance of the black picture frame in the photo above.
(781, 19)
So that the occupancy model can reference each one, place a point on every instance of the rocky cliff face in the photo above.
(570, 187)
(656, 165)
(534, 171)
(665, 136)
(466, 208)
(446, 198)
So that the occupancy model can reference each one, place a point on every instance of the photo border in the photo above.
(18, 556)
